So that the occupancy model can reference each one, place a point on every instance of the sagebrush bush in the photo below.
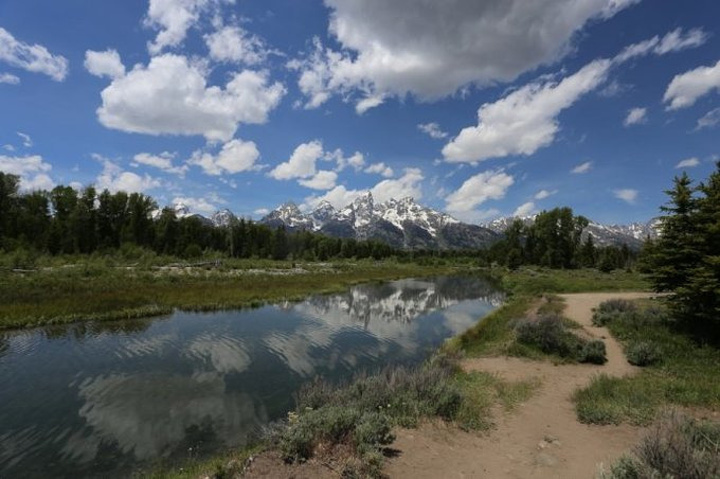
(643, 353)
(611, 310)
(593, 352)
(550, 334)
(677, 447)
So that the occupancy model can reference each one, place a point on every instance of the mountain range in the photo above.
(406, 224)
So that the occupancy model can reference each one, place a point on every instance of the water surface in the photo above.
(104, 399)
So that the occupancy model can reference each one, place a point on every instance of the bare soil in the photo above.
(542, 437)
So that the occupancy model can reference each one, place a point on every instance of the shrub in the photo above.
(678, 447)
(643, 353)
(593, 352)
(550, 335)
(610, 310)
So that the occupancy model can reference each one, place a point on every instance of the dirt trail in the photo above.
(542, 438)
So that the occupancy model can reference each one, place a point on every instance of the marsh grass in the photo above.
(95, 291)
(220, 466)
(678, 371)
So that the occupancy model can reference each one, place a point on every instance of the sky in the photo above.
(480, 108)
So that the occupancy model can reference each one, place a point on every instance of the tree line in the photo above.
(555, 240)
(67, 221)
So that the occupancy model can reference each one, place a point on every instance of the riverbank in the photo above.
(88, 290)
(490, 391)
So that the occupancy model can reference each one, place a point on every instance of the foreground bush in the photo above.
(550, 335)
(678, 447)
(643, 353)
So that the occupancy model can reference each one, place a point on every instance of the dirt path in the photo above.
(542, 438)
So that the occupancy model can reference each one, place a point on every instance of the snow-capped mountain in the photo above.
(400, 223)
(633, 234)
(222, 218)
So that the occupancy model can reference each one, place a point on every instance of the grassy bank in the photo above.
(677, 370)
(93, 290)
(533, 290)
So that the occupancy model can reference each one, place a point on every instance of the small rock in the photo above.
(547, 460)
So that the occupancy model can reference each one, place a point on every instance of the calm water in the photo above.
(101, 400)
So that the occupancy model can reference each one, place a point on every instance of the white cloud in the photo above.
(26, 140)
(542, 194)
(526, 119)
(688, 163)
(105, 63)
(582, 168)
(433, 49)
(114, 179)
(674, 41)
(9, 79)
(9, 148)
(32, 170)
(476, 190)
(199, 205)
(174, 18)
(407, 185)
(234, 157)
(323, 180)
(233, 44)
(163, 161)
(433, 130)
(710, 119)
(525, 209)
(33, 58)
(261, 211)
(635, 116)
(685, 89)
(302, 162)
(380, 169)
(627, 195)
(356, 161)
(171, 96)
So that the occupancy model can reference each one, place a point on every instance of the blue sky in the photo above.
(478, 108)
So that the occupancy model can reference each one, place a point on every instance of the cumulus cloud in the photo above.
(174, 18)
(199, 205)
(433, 130)
(525, 120)
(235, 156)
(582, 168)
(409, 184)
(32, 58)
(356, 161)
(171, 96)
(380, 169)
(525, 209)
(635, 116)
(114, 178)
(627, 195)
(301, 163)
(9, 79)
(104, 64)
(542, 194)
(323, 180)
(432, 49)
(709, 120)
(685, 89)
(476, 190)
(32, 170)
(234, 44)
(163, 161)
(675, 41)
(688, 163)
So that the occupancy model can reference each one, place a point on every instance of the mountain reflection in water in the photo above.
(103, 399)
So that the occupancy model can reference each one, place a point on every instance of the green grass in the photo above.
(542, 281)
(688, 374)
(227, 465)
(95, 291)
